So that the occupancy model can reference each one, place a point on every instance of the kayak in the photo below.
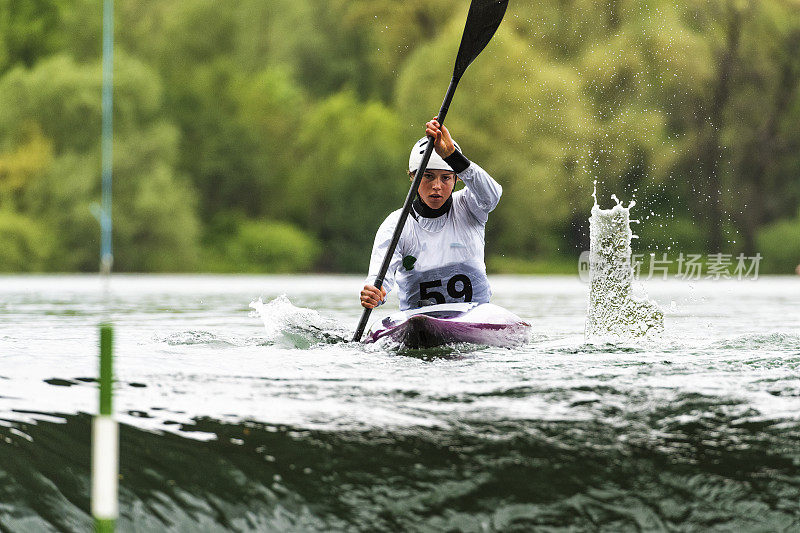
(451, 323)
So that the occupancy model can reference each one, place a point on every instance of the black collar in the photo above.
(423, 210)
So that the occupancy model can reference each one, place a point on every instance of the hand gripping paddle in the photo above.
(483, 19)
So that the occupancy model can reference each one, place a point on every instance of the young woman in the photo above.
(439, 257)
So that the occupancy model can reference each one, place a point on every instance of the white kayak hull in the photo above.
(436, 325)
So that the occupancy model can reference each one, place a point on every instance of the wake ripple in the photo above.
(767, 341)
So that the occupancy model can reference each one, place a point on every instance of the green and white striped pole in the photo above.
(105, 432)
(105, 442)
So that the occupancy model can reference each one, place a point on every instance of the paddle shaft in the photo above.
(412, 192)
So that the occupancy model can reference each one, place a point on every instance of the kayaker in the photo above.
(439, 257)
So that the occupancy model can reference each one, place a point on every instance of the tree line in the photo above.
(257, 136)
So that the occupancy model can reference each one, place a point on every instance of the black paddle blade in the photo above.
(483, 19)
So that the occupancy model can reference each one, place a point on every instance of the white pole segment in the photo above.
(105, 461)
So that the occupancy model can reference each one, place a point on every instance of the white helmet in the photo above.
(435, 162)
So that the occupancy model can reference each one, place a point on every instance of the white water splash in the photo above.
(301, 326)
(614, 310)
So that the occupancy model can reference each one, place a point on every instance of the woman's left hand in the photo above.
(443, 143)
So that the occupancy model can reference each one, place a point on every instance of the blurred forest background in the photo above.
(273, 135)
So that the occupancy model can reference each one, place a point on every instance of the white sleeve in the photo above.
(382, 240)
(481, 192)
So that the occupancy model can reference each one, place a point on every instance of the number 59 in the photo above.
(452, 289)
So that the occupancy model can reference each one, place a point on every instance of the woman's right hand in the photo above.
(371, 297)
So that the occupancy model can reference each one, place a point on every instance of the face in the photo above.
(436, 187)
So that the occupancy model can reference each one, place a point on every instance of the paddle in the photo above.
(483, 19)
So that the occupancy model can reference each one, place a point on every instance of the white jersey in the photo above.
(439, 260)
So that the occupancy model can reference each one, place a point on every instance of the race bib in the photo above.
(451, 283)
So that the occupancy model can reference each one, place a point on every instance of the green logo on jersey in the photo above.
(408, 262)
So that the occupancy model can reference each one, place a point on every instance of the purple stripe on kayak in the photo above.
(427, 331)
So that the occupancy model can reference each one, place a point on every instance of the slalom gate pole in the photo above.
(105, 431)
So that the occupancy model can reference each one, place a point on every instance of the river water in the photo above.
(259, 419)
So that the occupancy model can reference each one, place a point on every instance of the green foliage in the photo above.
(155, 222)
(270, 106)
(672, 236)
(501, 264)
(265, 246)
(23, 243)
(301, 113)
(29, 30)
(355, 178)
(779, 246)
(30, 155)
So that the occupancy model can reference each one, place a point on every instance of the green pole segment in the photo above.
(106, 367)
(105, 442)
(102, 525)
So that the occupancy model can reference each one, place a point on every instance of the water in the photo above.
(229, 425)
(614, 310)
